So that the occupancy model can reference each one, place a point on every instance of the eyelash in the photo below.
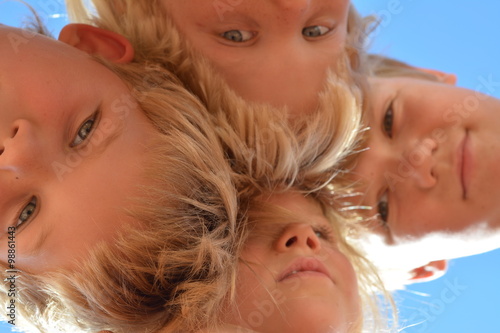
(388, 120)
(307, 31)
(242, 36)
(324, 232)
(84, 130)
(383, 209)
(239, 38)
(27, 213)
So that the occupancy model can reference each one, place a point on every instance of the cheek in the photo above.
(251, 292)
(346, 276)
(254, 275)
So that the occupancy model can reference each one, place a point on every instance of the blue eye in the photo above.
(238, 36)
(388, 120)
(324, 232)
(84, 131)
(27, 212)
(315, 31)
(383, 209)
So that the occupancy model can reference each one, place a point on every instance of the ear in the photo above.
(442, 76)
(429, 272)
(96, 41)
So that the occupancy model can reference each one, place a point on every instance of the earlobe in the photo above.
(433, 270)
(441, 76)
(97, 41)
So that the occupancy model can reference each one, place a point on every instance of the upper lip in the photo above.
(304, 264)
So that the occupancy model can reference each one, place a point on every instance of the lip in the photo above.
(465, 164)
(304, 266)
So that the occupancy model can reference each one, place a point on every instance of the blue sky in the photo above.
(454, 36)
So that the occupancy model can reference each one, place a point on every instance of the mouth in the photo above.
(305, 266)
(465, 164)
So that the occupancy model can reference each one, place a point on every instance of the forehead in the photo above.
(239, 6)
(30, 48)
(296, 203)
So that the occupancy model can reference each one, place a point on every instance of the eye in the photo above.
(238, 36)
(324, 232)
(388, 120)
(315, 31)
(28, 211)
(84, 131)
(383, 209)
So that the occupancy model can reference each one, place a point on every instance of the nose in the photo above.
(298, 236)
(19, 149)
(420, 162)
(409, 164)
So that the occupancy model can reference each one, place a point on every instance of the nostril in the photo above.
(291, 241)
(14, 132)
(311, 243)
(1, 151)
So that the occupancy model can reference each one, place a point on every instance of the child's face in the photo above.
(295, 279)
(432, 163)
(269, 51)
(71, 141)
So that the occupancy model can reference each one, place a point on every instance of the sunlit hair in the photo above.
(382, 66)
(270, 154)
(358, 30)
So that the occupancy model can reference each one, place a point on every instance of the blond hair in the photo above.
(268, 153)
